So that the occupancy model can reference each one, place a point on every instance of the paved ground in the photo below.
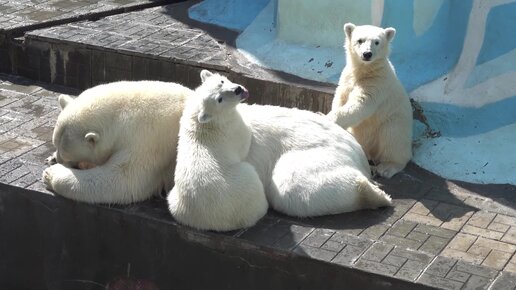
(22, 15)
(439, 233)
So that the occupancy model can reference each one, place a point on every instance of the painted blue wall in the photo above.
(232, 14)
(467, 88)
(458, 121)
(500, 33)
(433, 53)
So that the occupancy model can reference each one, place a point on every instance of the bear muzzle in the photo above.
(366, 56)
(243, 92)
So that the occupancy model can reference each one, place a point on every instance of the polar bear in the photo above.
(370, 100)
(124, 135)
(309, 166)
(215, 189)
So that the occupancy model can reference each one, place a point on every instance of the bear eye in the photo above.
(377, 42)
(221, 81)
(219, 100)
(360, 41)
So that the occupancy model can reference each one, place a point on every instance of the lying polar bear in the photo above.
(308, 165)
(215, 189)
(124, 135)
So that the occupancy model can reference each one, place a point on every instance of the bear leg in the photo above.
(394, 147)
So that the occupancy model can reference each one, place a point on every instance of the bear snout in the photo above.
(367, 55)
(238, 90)
(243, 92)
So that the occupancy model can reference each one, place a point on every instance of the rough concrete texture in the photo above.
(440, 233)
(19, 16)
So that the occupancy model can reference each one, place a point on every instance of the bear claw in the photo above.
(47, 178)
(51, 160)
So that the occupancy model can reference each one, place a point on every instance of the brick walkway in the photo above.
(21, 15)
(439, 233)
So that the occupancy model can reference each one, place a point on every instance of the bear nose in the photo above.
(238, 90)
(367, 55)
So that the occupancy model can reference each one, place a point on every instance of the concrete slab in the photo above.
(19, 16)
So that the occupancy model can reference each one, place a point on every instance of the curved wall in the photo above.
(456, 58)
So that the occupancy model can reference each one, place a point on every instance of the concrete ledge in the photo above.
(20, 16)
(85, 54)
(52, 243)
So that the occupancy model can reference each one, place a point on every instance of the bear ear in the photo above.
(204, 117)
(348, 29)
(205, 74)
(64, 100)
(92, 137)
(389, 33)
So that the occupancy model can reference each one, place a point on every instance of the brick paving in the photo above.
(439, 233)
(141, 33)
(21, 15)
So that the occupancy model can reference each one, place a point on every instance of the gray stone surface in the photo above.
(147, 32)
(17, 16)
(455, 274)
(506, 281)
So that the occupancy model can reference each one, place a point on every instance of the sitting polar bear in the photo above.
(215, 189)
(371, 101)
(125, 133)
(308, 165)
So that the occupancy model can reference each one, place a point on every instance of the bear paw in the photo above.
(332, 116)
(387, 169)
(47, 177)
(339, 119)
(52, 159)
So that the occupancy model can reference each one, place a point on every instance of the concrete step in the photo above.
(20, 16)
(156, 43)
(53, 243)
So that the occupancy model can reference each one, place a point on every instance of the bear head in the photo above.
(77, 135)
(368, 43)
(218, 96)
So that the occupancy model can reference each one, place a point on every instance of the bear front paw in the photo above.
(332, 117)
(339, 119)
(387, 169)
(52, 159)
(47, 177)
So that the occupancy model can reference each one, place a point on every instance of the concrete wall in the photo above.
(57, 244)
(301, 21)
(456, 58)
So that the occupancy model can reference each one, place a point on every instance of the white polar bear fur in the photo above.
(371, 102)
(128, 130)
(309, 166)
(215, 189)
